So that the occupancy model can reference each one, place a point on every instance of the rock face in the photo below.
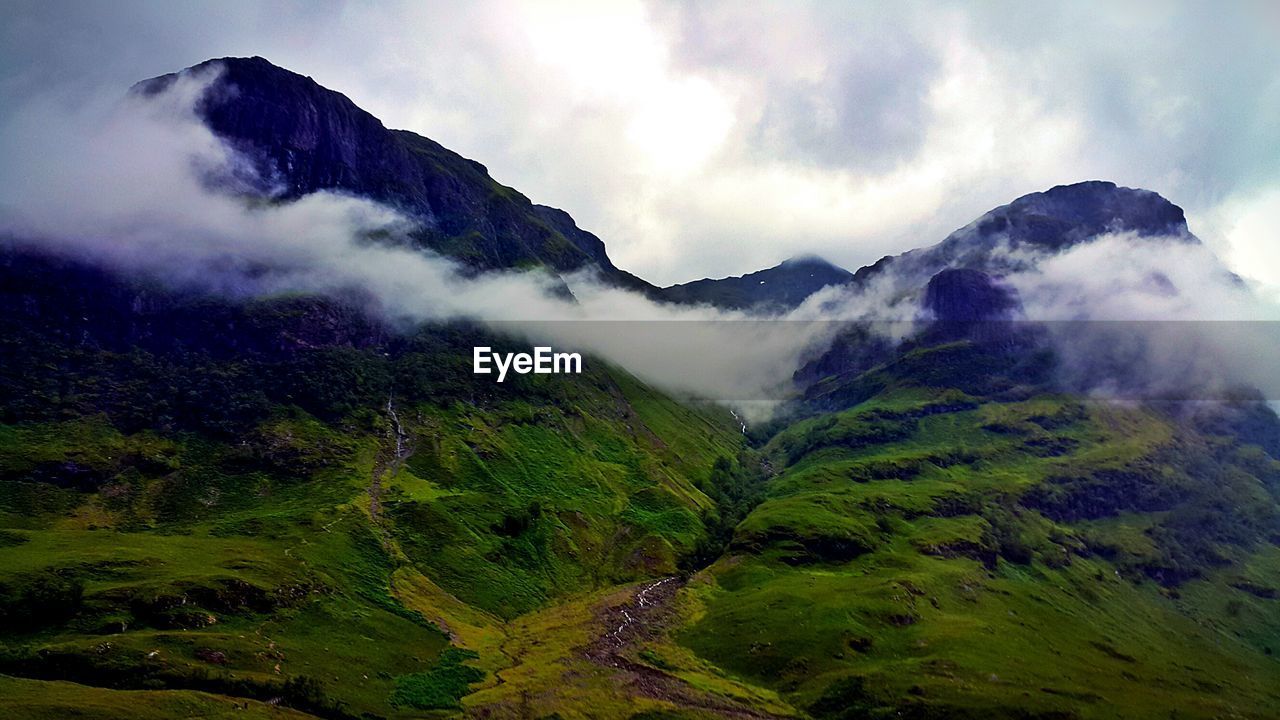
(782, 287)
(301, 138)
(965, 295)
(967, 304)
(1067, 214)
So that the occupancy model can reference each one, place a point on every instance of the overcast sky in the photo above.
(716, 138)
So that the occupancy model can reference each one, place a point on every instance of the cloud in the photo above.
(1248, 229)
(140, 185)
(1146, 317)
(716, 138)
(697, 140)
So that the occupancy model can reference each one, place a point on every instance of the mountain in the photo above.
(286, 502)
(281, 506)
(1012, 237)
(301, 137)
(959, 541)
(286, 507)
(1009, 238)
(958, 279)
(779, 288)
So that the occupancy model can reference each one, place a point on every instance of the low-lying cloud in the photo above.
(1153, 317)
(141, 185)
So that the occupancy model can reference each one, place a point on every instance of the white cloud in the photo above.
(1248, 230)
(124, 183)
(715, 138)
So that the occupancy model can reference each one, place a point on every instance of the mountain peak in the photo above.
(807, 260)
(255, 74)
(1066, 214)
(1040, 223)
(301, 137)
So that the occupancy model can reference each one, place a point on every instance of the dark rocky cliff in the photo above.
(301, 138)
(1036, 224)
(967, 295)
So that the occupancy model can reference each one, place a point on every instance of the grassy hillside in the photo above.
(226, 510)
(283, 508)
(934, 553)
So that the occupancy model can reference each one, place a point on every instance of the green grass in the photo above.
(205, 522)
(441, 688)
(249, 560)
(920, 568)
(41, 700)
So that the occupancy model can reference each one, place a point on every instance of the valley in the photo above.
(275, 503)
(951, 545)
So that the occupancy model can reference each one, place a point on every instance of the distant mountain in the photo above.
(781, 287)
(1012, 236)
(1007, 239)
(302, 137)
(957, 280)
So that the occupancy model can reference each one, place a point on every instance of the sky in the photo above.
(717, 138)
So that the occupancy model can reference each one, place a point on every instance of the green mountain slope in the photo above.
(932, 552)
(223, 508)
(287, 507)
(282, 506)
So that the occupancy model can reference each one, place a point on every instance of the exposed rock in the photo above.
(1012, 237)
(301, 138)
(965, 295)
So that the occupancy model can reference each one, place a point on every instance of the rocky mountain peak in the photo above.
(302, 137)
(1067, 214)
(1013, 237)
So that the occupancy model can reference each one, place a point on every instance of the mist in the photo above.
(139, 184)
(1128, 317)
(1153, 317)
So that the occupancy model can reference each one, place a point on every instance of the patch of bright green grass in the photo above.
(440, 688)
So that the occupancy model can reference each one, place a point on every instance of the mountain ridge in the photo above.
(1038, 224)
(302, 137)
(781, 287)
(282, 507)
